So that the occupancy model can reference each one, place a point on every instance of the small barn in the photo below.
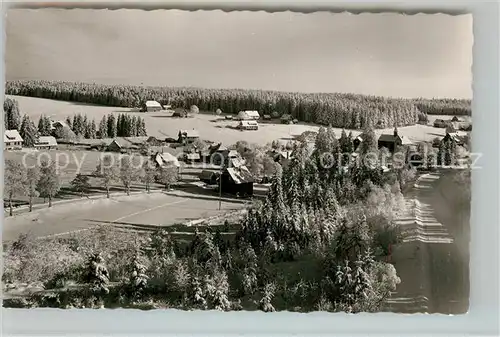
(12, 140)
(248, 125)
(248, 115)
(439, 123)
(152, 106)
(459, 138)
(357, 141)
(121, 145)
(237, 181)
(165, 159)
(391, 142)
(209, 177)
(187, 136)
(46, 143)
(286, 119)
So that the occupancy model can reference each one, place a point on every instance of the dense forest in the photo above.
(351, 111)
(319, 241)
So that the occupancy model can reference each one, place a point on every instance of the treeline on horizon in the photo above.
(352, 111)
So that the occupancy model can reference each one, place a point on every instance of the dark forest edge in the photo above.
(353, 111)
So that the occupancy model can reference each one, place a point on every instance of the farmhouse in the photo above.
(286, 119)
(248, 115)
(152, 106)
(46, 143)
(12, 140)
(439, 123)
(459, 138)
(121, 145)
(220, 154)
(357, 141)
(237, 181)
(391, 142)
(209, 177)
(54, 125)
(248, 125)
(165, 160)
(188, 136)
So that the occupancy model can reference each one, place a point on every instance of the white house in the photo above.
(248, 115)
(46, 142)
(249, 125)
(12, 140)
(153, 106)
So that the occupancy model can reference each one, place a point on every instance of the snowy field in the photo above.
(210, 127)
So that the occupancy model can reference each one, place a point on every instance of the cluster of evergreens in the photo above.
(340, 110)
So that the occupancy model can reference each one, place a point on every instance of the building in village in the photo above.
(237, 181)
(440, 123)
(286, 119)
(122, 145)
(187, 136)
(12, 140)
(165, 159)
(46, 143)
(248, 115)
(392, 142)
(459, 138)
(209, 177)
(219, 154)
(357, 141)
(248, 125)
(152, 106)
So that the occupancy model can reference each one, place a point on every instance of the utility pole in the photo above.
(220, 186)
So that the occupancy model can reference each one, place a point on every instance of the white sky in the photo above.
(381, 54)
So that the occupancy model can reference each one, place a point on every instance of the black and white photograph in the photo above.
(237, 161)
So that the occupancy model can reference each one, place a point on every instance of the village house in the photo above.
(357, 141)
(392, 142)
(286, 119)
(122, 145)
(12, 140)
(440, 123)
(248, 125)
(54, 125)
(46, 143)
(165, 159)
(248, 115)
(237, 181)
(459, 138)
(152, 106)
(220, 154)
(209, 177)
(188, 136)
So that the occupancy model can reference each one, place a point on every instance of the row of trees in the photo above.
(44, 180)
(339, 110)
(121, 126)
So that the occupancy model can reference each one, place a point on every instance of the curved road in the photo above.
(142, 211)
(433, 261)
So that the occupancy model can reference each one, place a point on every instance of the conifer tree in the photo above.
(28, 132)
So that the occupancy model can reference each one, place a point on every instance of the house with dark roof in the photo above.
(440, 123)
(357, 141)
(209, 177)
(188, 136)
(12, 140)
(237, 181)
(122, 145)
(459, 138)
(391, 142)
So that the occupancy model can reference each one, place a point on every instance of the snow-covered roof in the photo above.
(240, 174)
(46, 141)
(12, 136)
(153, 104)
